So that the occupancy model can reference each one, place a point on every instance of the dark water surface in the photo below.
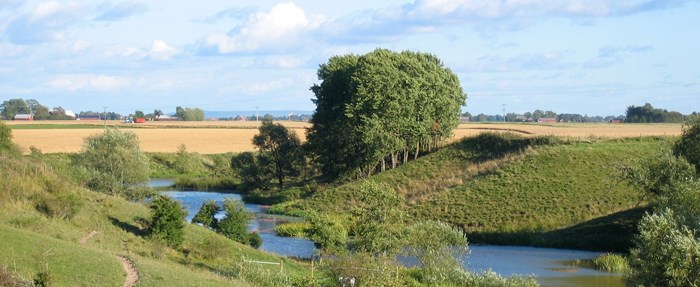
(552, 267)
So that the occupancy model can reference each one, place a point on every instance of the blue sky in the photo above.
(592, 57)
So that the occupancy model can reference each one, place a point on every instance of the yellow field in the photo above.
(228, 136)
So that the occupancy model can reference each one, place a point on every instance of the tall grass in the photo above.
(610, 262)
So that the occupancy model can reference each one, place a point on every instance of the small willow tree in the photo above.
(381, 109)
(115, 163)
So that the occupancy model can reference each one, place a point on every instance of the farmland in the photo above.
(213, 137)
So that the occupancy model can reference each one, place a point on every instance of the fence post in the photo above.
(312, 271)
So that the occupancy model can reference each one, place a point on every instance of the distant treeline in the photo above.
(649, 114)
(634, 114)
(537, 115)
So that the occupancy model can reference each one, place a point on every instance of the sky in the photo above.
(593, 57)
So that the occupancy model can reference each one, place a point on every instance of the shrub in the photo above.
(328, 235)
(207, 215)
(61, 206)
(254, 240)
(114, 161)
(689, 144)
(235, 224)
(167, 221)
(438, 247)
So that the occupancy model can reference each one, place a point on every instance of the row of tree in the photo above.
(649, 114)
(539, 114)
(380, 109)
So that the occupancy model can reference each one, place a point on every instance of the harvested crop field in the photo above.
(211, 137)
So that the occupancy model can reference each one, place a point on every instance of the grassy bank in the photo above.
(507, 189)
(50, 225)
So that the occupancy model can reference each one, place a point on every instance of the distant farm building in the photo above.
(89, 117)
(24, 117)
(167, 118)
(70, 114)
(547, 120)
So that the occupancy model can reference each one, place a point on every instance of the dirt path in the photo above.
(88, 237)
(132, 275)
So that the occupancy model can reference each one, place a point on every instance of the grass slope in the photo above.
(44, 216)
(513, 190)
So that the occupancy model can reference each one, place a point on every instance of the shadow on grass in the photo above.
(128, 227)
(611, 233)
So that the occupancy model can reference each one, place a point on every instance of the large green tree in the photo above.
(115, 162)
(377, 110)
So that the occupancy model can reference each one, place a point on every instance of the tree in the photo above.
(283, 148)
(688, 146)
(157, 113)
(378, 219)
(139, 114)
(167, 220)
(657, 175)
(255, 170)
(380, 109)
(188, 114)
(207, 215)
(438, 247)
(115, 162)
(10, 108)
(235, 224)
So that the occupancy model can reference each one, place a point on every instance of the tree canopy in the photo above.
(689, 144)
(381, 107)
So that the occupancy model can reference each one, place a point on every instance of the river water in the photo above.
(552, 267)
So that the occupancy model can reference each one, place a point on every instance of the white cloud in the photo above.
(161, 50)
(280, 28)
(89, 82)
(270, 86)
(46, 23)
(124, 51)
(284, 62)
(119, 11)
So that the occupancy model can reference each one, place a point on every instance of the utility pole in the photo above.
(504, 113)
(104, 116)
(256, 113)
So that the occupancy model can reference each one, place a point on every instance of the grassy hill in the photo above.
(507, 189)
(49, 225)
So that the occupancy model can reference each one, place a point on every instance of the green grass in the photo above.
(511, 190)
(32, 239)
(57, 126)
(30, 253)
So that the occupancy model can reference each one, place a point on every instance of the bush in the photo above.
(167, 221)
(207, 215)
(114, 161)
(235, 224)
(689, 144)
(61, 206)
(254, 240)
